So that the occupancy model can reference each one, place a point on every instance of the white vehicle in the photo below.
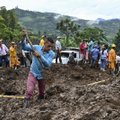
(65, 54)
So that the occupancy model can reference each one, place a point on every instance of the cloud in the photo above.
(84, 9)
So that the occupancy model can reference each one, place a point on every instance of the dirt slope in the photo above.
(68, 96)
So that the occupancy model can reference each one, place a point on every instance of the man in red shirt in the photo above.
(82, 49)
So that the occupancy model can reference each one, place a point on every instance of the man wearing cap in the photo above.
(3, 54)
(58, 48)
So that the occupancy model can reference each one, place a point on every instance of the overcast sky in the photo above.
(84, 9)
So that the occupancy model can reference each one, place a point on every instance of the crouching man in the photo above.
(71, 59)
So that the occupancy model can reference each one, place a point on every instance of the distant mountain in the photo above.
(46, 22)
(100, 19)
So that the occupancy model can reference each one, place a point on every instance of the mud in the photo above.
(68, 95)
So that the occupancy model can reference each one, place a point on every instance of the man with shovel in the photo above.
(42, 57)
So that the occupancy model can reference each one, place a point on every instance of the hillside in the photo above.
(46, 22)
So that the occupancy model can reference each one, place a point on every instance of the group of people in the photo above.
(4, 51)
(98, 55)
(10, 57)
(43, 55)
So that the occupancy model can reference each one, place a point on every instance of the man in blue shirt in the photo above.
(94, 54)
(90, 47)
(46, 56)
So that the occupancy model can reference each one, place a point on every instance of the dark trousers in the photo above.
(28, 56)
(103, 63)
(94, 62)
(5, 58)
(23, 60)
(117, 68)
(58, 56)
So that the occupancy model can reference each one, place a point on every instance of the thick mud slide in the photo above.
(72, 93)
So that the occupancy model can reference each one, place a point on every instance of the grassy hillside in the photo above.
(46, 22)
(110, 27)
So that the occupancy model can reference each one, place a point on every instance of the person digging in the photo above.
(46, 56)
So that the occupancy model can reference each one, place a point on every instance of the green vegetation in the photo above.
(46, 22)
(73, 33)
(39, 23)
(72, 29)
(9, 27)
(117, 40)
(69, 29)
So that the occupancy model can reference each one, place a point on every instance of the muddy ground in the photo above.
(69, 95)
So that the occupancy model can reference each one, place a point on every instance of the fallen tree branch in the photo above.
(94, 83)
(102, 81)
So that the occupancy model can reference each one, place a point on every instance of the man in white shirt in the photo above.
(3, 54)
(117, 66)
(58, 48)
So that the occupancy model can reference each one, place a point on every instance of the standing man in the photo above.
(42, 41)
(94, 56)
(83, 47)
(25, 54)
(112, 59)
(46, 56)
(58, 48)
(14, 63)
(103, 58)
(90, 47)
(3, 54)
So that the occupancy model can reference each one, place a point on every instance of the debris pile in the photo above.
(69, 95)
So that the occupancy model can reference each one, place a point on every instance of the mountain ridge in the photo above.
(46, 22)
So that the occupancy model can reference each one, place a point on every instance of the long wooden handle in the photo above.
(98, 82)
(39, 59)
(11, 96)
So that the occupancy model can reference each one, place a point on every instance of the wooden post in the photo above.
(11, 96)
